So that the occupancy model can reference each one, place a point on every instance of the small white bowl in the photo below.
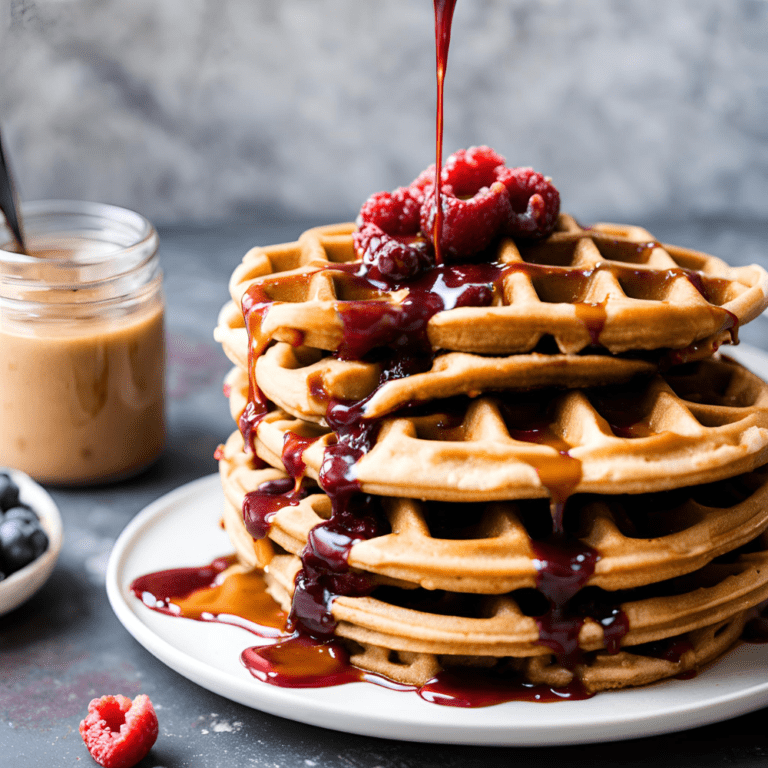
(20, 586)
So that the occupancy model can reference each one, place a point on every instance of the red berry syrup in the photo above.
(295, 660)
(443, 23)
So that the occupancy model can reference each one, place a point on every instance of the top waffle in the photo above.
(609, 285)
(301, 380)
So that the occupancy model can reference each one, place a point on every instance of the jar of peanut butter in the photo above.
(81, 344)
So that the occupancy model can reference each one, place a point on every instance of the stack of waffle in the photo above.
(567, 481)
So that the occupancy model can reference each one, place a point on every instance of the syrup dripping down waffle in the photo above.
(396, 634)
(439, 624)
(612, 286)
(697, 424)
(487, 548)
(411, 590)
(301, 380)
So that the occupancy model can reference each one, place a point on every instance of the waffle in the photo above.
(591, 375)
(698, 424)
(706, 606)
(238, 477)
(486, 549)
(496, 627)
(301, 380)
(601, 671)
(610, 285)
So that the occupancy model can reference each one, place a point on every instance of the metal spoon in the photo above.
(9, 201)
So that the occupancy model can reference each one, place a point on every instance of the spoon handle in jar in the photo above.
(9, 203)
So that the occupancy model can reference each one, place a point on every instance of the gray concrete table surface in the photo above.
(65, 645)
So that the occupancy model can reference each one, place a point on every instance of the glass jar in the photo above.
(81, 344)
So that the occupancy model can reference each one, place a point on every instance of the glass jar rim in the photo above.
(142, 231)
(126, 244)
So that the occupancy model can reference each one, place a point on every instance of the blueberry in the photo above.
(21, 512)
(21, 542)
(39, 541)
(9, 492)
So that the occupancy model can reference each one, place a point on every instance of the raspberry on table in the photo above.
(119, 732)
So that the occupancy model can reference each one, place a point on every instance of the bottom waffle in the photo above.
(439, 622)
(639, 661)
(599, 672)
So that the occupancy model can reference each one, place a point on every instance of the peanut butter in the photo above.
(81, 360)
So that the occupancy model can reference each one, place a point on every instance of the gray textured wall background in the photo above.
(207, 109)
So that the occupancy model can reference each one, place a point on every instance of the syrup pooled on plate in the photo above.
(296, 660)
(199, 593)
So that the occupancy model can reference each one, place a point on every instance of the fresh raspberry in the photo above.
(535, 202)
(392, 258)
(482, 200)
(475, 206)
(422, 182)
(469, 170)
(469, 225)
(466, 170)
(476, 211)
(119, 732)
(388, 238)
(397, 213)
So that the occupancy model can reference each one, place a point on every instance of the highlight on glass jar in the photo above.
(82, 353)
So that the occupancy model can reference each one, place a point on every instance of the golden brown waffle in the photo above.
(487, 548)
(601, 671)
(705, 609)
(300, 380)
(496, 626)
(647, 296)
(462, 584)
(238, 474)
(230, 332)
(632, 665)
(698, 424)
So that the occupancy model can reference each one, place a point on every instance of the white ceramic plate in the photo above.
(20, 586)
(181, 529)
